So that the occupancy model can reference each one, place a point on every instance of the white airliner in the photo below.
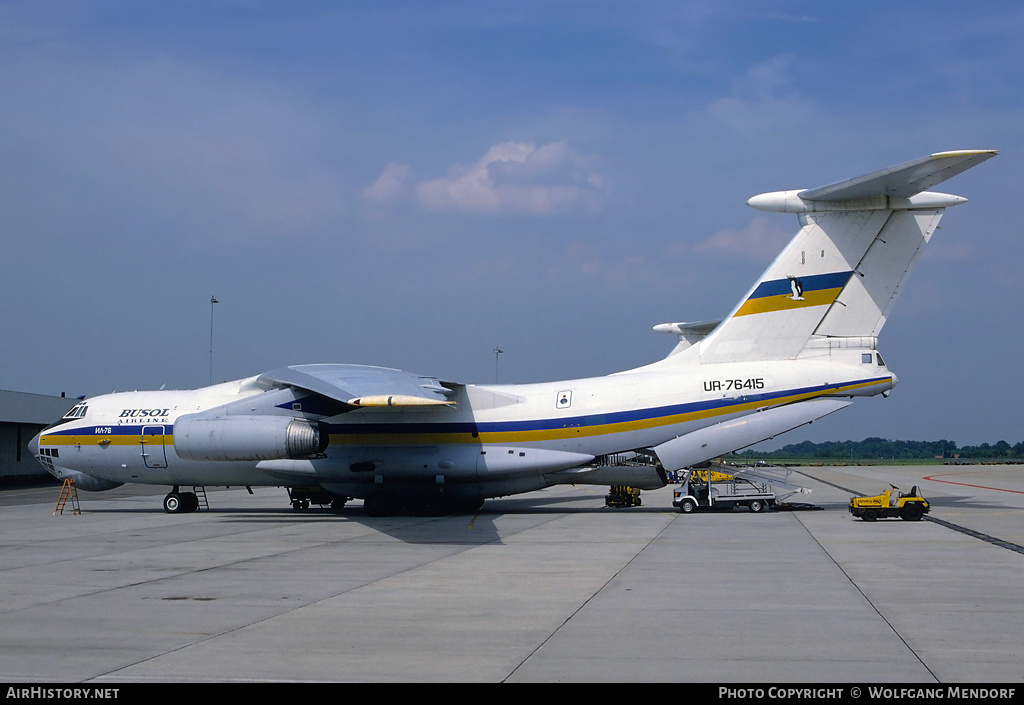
(800, 345)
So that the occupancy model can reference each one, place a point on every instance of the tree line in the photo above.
(891, 450)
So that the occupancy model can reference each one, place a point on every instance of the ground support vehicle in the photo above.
(622, 496)
(891, 503)
(695, 492)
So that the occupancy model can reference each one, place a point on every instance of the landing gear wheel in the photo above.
(189, 502)
(173, 503)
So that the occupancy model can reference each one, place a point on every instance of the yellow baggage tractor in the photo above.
(891, 503)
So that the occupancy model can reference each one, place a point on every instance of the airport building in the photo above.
(22, 416)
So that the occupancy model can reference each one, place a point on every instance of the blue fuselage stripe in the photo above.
(591, 420)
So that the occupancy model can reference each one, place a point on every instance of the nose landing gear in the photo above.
(177, 502)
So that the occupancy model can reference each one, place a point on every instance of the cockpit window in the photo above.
(78, 411)
(880, 362)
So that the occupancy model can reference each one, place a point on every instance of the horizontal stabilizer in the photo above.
(728, 436)
(700, 328)
(689, 333)
(900, 187)
(903, 180)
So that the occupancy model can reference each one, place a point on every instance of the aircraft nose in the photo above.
(33, 445)
(895, 379)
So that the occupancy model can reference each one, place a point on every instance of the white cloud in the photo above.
(391, 185)
(511, 177)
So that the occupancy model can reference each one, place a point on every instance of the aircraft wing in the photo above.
(903, 180)
(362, 385)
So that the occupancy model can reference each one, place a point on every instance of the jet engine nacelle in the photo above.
(247, 437)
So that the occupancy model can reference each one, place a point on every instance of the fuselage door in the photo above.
(154, 453)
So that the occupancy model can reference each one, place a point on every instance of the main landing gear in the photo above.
(177, 502)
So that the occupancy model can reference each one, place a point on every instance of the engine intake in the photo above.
(247, 437)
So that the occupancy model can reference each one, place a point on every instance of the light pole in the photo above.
(213, 300)
(497, 351)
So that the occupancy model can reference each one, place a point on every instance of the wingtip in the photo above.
(965, 153)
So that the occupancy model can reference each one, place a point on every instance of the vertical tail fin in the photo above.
(841, 273)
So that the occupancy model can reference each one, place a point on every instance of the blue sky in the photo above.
(412, 184)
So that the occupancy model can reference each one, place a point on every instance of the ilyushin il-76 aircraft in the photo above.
(801, 344)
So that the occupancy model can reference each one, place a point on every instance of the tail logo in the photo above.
(797, 287)
(793, 292)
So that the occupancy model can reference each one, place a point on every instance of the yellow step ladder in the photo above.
(68, 490)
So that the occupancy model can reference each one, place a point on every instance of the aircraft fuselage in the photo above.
(495, 439)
